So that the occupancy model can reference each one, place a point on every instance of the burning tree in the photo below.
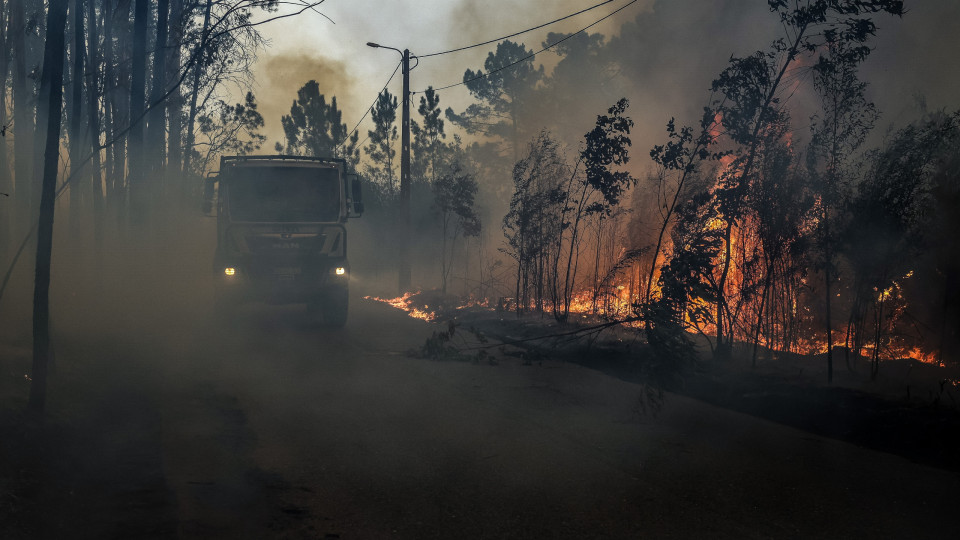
(781, 216)
(594, 194)
(533, 219)
(553, 202)
(686, 283)
(884, 234)
(847, 118)
(743, 128)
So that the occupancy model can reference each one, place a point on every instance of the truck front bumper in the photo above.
(291, 284)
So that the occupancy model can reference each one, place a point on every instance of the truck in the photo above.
(281, 233)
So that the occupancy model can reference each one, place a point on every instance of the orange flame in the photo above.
(405, 303)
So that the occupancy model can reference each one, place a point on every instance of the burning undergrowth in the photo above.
(430, 305)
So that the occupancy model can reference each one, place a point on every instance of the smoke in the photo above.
(669, 55)
(914, 60)
(284, 73)
(666, 54)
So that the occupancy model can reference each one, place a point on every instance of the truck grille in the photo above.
(281, 245)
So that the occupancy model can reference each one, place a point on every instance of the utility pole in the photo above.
(405, 178)
(404, 247)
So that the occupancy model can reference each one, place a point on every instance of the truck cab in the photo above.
(281, 232)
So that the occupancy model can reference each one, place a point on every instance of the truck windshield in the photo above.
(270, 194)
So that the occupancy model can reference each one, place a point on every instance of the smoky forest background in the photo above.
(778, 211)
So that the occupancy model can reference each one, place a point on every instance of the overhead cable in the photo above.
(531, 55)
(517, 33)
(370, 108)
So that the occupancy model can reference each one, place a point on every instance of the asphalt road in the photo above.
(271, 428)
(173, 425)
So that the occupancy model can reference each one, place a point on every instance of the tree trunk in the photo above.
(723, 349)
(22, 116)
(444, 269)
(569, 276)
(52, 88)
(596, 266)
(6, 185)
(875, 362)
(175, 100)
(109, 81)
(138, 80)
(948, 292)
(76, 124)
(156, 128)
(763, 300)
(119, 102)
(198, 55)
(93, 109)
(828, 256)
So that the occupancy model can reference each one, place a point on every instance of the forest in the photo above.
(764, 223)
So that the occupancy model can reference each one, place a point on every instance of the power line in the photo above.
(517, 33)
(370, 108)
(531, 55)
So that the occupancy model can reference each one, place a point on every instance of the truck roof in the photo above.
(230, 161)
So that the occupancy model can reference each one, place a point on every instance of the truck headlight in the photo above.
(230, 271)
(340, 271)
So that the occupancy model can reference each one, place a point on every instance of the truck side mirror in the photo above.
(356, 194)
(209, 191)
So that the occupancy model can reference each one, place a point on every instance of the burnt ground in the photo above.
(921, 428)
(911, 409)
(924, 427)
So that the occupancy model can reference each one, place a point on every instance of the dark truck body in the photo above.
(281, 234)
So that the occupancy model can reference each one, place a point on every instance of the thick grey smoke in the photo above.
(666, 54)
(285, 73)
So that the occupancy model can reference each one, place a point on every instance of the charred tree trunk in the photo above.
(596, 266)
(763, 300)
(854, 337)
(6, 185)
(93, 109)
(878, 334)
(76, 115)
(950, 291)
(724, 348)
(828, 256)
(156, 128)
(517, 288)
(444, 266)
(175, 99)
(195, 89)
(138, 84)
(52, 89)
(23, 125)
(569, 277)
(119, 103)
(109, 81)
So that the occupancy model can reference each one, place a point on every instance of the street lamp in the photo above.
(404, 273)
